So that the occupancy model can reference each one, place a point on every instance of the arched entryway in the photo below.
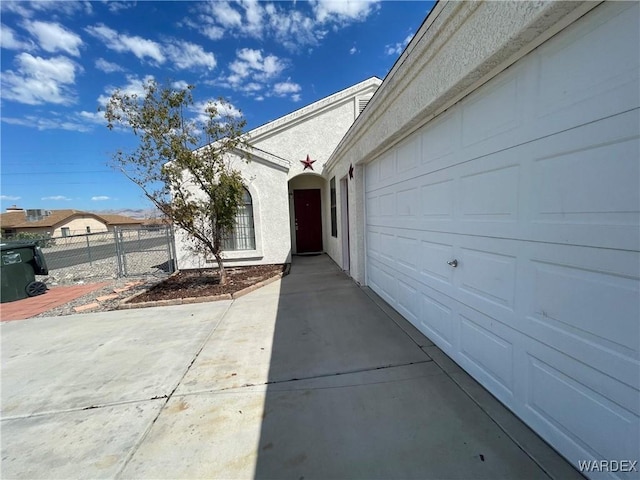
(307, 193)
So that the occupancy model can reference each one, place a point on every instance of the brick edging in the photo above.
(125, 305)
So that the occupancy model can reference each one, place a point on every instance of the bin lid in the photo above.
(17, 244)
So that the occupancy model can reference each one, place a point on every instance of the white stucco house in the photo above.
(287, 200)
(490, 193)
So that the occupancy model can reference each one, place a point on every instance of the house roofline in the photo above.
(314, 108)
(264, 157)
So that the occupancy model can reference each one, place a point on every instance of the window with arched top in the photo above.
(243, 236)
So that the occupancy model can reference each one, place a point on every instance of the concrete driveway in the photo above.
(309, 377)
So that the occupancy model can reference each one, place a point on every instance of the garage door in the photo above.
(507, 231)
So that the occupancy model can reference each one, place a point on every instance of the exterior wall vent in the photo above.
(362, 102)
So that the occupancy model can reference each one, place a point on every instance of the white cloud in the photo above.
(108, 67)
(296, 97)
(9, 197)
(212, 32)
(9, 40)
(180, 53)
(39, 80)
(251, 69)
(91, 117)
(343, 11)
(76, 123)
(291, 24)
(180, 85)
(53, 37)
(57, 198)
(29, 9)
(397, 48)
(140, 47)
(186, 55)
(134, 86)
(225, 14)
(82, 121)
(284, 88)
(223, 109)
(100, 198)
(118, 6)
(352, 50)
(254, 14)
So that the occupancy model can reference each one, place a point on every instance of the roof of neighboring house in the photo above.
(156, 221)
(19, 219)
(119, 219)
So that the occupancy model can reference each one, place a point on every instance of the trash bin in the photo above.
(20, 262)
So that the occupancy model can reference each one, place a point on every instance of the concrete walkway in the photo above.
(309, 377)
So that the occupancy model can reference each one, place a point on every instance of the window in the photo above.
(243, 236)
(88, 229)
(334, 213)
(65, 231)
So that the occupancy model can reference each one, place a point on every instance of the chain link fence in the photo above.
(114, 254)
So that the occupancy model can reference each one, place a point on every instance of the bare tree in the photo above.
(183, 160)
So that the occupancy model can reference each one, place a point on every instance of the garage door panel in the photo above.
(486, 350)
(437, 322)
(596, 306)
(495, 112)
(408, 252)
(490, 195)
(432, 262)
(575, 186)
(615, 390)
(408, 302)
(568, 76)
(489, 275)
(607, 361)
(409, 154)
(442, 138)
(436, 200)
(602, 427)
(382, 283)
(408, 202)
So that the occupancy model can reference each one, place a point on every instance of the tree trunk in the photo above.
(222, 271)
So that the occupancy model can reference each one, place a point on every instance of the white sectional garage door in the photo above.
(532, 184)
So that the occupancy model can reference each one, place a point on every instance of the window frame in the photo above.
(245, 220)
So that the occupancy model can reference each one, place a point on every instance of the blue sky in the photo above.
(61, 60)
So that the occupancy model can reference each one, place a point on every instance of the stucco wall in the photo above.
(78, 226)
(316, 136)
(268, 188)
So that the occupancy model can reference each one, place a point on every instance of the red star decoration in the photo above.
(351, 171)
(307, 163)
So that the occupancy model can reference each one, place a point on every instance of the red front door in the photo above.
(308, 216)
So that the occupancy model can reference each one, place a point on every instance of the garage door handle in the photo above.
(453, 263)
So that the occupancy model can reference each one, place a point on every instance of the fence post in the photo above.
(167, 238)
(124, 253)
(117, 246)
(88, 250)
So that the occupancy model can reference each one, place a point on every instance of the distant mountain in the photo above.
(140, 213)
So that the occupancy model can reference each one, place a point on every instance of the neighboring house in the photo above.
(490, 192)
(61, 223)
